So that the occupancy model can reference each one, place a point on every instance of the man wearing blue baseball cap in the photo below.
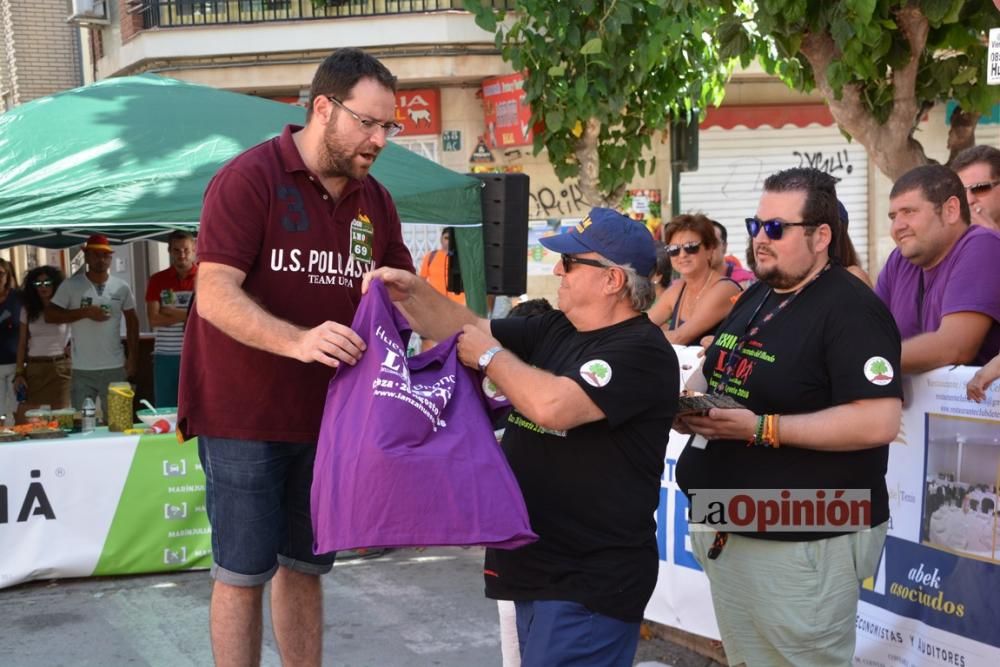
(593, 387)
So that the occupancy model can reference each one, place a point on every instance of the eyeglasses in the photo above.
(369, 126)
(689, 248)
(42, 283)
(773, 228)
(982, 188)
(569, 260)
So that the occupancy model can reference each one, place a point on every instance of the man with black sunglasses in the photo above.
(979, 169)
(594, 388)
(812, 355)
(947, 308)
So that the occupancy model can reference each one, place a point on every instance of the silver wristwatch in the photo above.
(487, 357)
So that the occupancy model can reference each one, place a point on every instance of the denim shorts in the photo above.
(257, 497)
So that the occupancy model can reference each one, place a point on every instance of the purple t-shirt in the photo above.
(961, 282)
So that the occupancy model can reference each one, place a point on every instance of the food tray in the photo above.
(11, 437)
(45, 434)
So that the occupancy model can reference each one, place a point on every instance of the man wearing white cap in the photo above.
(93, 302)
(593, 388)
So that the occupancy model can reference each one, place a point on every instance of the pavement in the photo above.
(405, 608)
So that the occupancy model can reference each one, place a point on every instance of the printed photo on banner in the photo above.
(961, 504)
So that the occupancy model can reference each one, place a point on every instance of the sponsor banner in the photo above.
(57, 500)
(161, 523)
(507, 115)
(933, 600)
(78, 506)
(419, 111)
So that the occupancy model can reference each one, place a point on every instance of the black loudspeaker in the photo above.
(454, 265)
(505, 232)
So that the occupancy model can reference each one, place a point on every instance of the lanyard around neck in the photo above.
(736, 354)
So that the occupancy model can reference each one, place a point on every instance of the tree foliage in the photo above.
(604, 75)
(880, 64)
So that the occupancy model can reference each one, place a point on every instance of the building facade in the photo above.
(39, 50)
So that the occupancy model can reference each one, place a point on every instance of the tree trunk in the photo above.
(890, 145)
(590, 168)
(590, 164)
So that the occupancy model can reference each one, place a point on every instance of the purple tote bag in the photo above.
(406, 454)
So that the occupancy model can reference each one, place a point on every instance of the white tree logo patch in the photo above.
(596, 373)
(492, 391)
(878, 370)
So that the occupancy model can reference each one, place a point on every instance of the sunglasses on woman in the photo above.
(569, 260)
(773, 228)
(689, 248)
(42, 283)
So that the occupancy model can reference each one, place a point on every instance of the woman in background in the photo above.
(701, 297)
(44, 367)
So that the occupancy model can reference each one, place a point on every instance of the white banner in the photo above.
(936, 597)
(60, 502)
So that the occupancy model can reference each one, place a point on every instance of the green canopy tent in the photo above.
(130, 157)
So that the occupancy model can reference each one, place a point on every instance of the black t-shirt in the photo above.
(812, 355)
(592, 491)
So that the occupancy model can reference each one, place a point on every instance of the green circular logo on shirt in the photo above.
(596, 373)
(879, 371)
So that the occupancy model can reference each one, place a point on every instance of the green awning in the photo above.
(130, 157)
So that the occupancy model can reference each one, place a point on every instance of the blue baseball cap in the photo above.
(611, 235)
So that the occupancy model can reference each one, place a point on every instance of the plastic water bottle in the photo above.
(89, 416)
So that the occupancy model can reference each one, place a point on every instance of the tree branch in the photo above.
(891, 144)
(849, 111)
(913, 24)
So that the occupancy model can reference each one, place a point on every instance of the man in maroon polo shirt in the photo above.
(288, 229)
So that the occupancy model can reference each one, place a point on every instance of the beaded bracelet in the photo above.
(766, 432)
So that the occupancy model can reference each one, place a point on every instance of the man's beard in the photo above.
(775, 278)
(337, 161)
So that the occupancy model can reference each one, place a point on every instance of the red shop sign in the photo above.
(507, 116)
(419, 111)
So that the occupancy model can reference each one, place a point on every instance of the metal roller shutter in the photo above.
(733, 164)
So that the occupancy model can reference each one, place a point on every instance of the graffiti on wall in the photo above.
(832, 164)
(567, 201)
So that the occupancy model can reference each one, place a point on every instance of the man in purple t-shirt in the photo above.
(934, 284)
(288, 229)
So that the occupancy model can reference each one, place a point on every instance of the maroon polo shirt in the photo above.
(304, 255)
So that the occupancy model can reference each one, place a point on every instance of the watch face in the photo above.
(487, 356)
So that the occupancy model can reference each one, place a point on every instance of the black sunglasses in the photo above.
(982, 188)
(689, 248)
(773, 228)
(42, 283)
(569, 260)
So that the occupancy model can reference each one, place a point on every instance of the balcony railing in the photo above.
(181, 13)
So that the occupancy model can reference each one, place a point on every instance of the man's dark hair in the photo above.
(937, 183)
(530, 307)
(341, 71)
(179, 235)
(723, 232)
(821, 194)
(975, 155)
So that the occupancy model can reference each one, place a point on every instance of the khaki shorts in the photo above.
(48, 380)
(789, 603)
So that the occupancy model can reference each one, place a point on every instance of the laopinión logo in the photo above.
(780, 510)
